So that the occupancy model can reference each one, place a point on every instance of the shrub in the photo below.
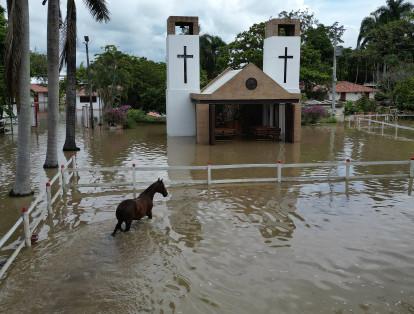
(116, 116)
(404, 94)
(311, 115)
(349, 108)
(364, 104)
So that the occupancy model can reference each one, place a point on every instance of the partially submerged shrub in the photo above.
(311, 115)
(116, 116)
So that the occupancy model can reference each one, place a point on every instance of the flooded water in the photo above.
(252, 248)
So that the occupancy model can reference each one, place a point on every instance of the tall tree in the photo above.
(18, 80)
(53, 82)
(99, 11)
(210, 50)
(3, 32)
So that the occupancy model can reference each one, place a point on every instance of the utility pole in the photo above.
(334, 76)
(89, 83)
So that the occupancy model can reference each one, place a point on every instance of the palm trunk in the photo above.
(53, 83)
(70, 144)
(22, 183)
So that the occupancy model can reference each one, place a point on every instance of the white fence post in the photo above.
(382, 128)
(396, 130)
(347, 168)
(62, 178)
(208, 174)
(49, 197)
(74, 166)
(26, 227)
(134, 179)
(412, 167)
(279, 171)
(359, 123)
(369, 125)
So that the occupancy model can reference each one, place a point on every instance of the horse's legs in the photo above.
(117, 227)
(149, 214)
(127, 225)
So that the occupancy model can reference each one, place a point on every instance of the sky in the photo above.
(139, 27)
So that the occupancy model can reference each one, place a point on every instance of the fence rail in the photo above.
(70, 170)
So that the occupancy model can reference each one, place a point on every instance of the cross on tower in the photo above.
(285, 57)
(185, 56)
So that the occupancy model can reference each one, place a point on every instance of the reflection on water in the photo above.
(264, 248)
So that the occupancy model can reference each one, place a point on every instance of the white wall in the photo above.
(274, 66)
(180, 109)
(351, 96)
(80, 104)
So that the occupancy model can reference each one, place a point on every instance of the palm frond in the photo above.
(68, 33)
(98, 9)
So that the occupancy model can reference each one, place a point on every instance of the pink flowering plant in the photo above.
(311, 115)
(117, 116)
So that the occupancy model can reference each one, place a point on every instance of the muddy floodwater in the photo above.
(322, 247)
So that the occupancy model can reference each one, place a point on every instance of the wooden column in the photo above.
(297, 122)
(203, 124)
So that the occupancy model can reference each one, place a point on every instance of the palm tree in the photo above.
(392, 11)
(209, 52)
(18, 85)
(99, 11)
(53, 21)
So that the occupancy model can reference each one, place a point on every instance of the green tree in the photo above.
(99, 11)
(404, 94)
(17, 68)
(210, 50)
(38, 66)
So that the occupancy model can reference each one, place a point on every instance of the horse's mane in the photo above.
(148, 189)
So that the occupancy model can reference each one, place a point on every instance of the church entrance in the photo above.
(246, 121)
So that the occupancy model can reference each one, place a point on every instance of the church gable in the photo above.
(249, 83)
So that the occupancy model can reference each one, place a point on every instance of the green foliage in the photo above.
(136, 116)
(404, 94)
(364, 104)
(350, 108)
(247, 47)
(124, 79)
(38, 66)
(330, 119)
(210, 54)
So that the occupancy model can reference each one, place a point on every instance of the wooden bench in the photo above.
(225, 133)
(266, 133)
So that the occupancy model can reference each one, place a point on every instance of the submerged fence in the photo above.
(29, 221)
(375, 121)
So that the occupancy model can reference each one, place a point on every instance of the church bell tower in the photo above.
(281, 52)
(183, 74)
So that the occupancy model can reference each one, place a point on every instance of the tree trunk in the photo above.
(53, 83)
(22, 183)
(70, 144)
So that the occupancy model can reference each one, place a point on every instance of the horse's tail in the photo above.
(117, 227)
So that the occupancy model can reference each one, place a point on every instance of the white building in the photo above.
(39, 97)
(82, 99)
(347, 91)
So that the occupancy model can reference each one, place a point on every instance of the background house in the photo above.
(350, 91)
(82, 99)
(39, 95)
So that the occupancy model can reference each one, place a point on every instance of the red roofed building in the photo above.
(40, 97)
(350, 91)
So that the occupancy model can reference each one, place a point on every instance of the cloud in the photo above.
(139, 26)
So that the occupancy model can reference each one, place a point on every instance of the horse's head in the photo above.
(161, 188)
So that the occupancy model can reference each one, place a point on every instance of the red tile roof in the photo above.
(38, 88)
(83, 92)
(348, 87)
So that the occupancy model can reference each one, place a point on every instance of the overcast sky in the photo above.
(139, 26)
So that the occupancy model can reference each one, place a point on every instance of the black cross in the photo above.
(285, 57)
(185, 56)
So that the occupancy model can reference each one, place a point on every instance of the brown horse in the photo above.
(135, 209)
